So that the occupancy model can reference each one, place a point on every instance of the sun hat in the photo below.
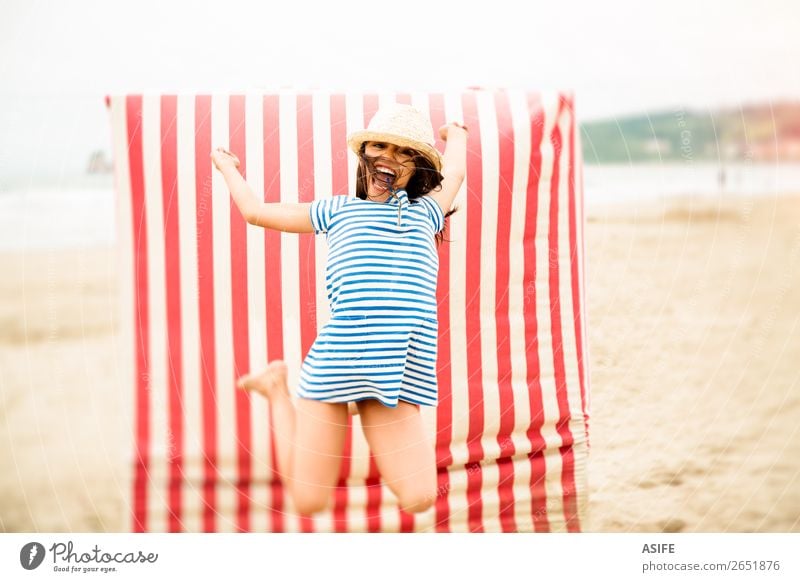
(402, 125)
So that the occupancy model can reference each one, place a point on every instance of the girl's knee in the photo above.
(417, 501)
(308, 501)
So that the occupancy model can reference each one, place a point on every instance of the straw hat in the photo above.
(402, 125)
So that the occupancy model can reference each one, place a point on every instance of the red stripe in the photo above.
(308, 278)
(205, 296)
(133, 115)
(444, 410)
(406, 521)
(473, 316)
(172, 277)
(340, 186)
(373, 485)
(574, 257)
(340, 522)
(370, 107)
(404, 98)
(273, 287)
(237, 123)
(373, 480)
(562, 425)
(536, 409)
(505, 464)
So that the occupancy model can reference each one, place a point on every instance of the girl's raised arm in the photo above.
(283, 216)
(454, 164)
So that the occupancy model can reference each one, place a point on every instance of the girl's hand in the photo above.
(223, 158)
(444, 131)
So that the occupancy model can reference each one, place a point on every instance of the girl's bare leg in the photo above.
(308, 439)
(403, 452)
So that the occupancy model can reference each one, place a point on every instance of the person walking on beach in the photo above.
(378, 350)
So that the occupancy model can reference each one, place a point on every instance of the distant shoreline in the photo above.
(11, 182)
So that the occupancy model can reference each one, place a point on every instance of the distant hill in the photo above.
(768, 132)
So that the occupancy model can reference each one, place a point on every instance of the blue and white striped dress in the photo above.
(380, 341)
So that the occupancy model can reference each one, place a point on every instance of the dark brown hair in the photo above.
(425, 179)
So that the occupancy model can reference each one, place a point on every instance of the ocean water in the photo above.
(58, 213)
(79, 212)
(619, 183)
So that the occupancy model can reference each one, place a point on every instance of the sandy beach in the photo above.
(694, 335)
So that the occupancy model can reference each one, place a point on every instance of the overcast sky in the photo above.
(619, 56)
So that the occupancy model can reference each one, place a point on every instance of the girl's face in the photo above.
(393, 164)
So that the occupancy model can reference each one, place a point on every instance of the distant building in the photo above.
(786, 149)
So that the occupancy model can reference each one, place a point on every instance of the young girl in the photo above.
(378, 349)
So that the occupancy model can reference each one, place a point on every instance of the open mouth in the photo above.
(383, 178)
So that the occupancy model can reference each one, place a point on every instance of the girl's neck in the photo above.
(383, 197)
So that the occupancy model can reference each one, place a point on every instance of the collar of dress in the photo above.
(398, 197)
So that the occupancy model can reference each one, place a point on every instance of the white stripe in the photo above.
(490, 155)
(125, 350)
(490, 501)
(518, 295)
(356, 500)
(354, 113)
(160, 438)
(390, 516)
(290, 256)
(522, 495)
(256, 312)
(567, 355)
(458, 343)
(368, 290)
(547, 373)
(323, 188)
(223, 326)
(458, 300)
(192, 494)
(457, 498)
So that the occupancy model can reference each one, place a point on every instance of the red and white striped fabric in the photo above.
(206, 298)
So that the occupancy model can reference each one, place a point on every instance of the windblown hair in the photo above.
(425, 179)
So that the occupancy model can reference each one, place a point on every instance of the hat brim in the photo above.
(355, 139)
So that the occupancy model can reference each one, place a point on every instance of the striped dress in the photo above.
(380, 341)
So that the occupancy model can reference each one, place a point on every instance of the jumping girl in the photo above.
(378, 350)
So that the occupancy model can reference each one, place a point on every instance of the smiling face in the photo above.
(394, 166)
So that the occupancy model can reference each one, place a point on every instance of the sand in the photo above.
(694, 331)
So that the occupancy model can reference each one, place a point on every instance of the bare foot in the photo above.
(270, 383)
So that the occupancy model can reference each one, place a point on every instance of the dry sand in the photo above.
(694, 331)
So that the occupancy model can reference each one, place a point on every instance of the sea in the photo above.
(78, 211)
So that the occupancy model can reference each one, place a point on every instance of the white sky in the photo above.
(626, 54)
(620, 56)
